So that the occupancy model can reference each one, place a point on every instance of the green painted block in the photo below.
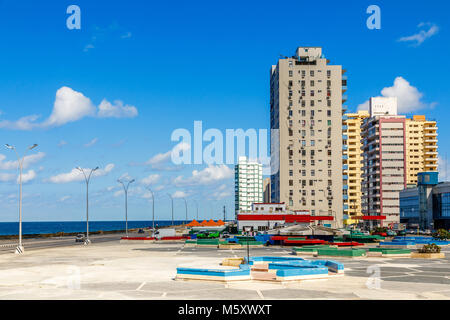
(341, 252)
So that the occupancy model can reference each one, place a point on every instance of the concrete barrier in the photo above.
(232, 262)
(224, 275)
(291, 274)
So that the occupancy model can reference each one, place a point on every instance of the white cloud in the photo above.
(126, 35)
(71, 106)
(91, 143)
(62, 143)
(422, 35)
(76, 175)
(151, 179)
(165, 157)
(6, 177)
(27, 161)
(408, 96)
(28, 176)
(179, 194)
(64, 198)
(107, 110)
(209, 175)
(87, 47)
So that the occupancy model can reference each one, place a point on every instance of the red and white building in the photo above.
(265, 216)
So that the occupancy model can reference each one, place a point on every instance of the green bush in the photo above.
(430, 248)
(441, 234)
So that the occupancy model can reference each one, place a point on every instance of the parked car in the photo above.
(401, 233)
(141, 231)
(391, 233)
(225, 235)
(80, 238)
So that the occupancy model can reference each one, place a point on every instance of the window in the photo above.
(313, 143)
(329, 113)
(329, 122)
(311, 73)
(290, 73)
(312, 83)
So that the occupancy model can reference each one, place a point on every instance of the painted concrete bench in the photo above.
(235, 274)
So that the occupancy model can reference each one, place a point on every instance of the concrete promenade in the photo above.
(109, 270)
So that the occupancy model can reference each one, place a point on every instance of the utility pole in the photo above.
(87, 178)
(171, 199)
(224, 214)
(19, 248)
(125, 188)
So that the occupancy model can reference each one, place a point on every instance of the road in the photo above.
(8, 246)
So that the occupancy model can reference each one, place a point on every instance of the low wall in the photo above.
(341, 252)
(290, 274)
(238, 274)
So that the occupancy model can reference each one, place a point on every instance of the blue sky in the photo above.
(170, 64)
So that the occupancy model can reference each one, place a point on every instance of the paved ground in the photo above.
(6, 246)
(109, 270)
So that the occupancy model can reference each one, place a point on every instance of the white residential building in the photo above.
(248, 183)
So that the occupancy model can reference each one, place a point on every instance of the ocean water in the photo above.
(12, 228)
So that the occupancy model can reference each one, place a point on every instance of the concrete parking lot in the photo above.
(110, 270)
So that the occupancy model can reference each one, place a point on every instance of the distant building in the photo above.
(421, 147)
(384, 162)
(352, 165)
(428, 205)
(266, 190)
(265, 216)
(248, 184)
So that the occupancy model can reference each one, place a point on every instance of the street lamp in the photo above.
(185, 204)
(172, 207)
(153, 205)
(19, 248)
(87, 179)
(196, 203)
(125, 188)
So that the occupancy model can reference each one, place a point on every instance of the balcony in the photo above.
(345, 157)
(430, 134)
(344, 128)
(344, 137)
(345, 177)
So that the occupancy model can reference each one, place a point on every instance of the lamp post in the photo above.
(153, 210)
(196, 203)
(87, 178)
(185, 204)
(125, 188)
(172, 207)
(19, 248)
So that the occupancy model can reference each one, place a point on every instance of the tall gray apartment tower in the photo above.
(306, 106)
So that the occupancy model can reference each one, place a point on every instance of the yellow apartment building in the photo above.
(352, 165)
(421, 147)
